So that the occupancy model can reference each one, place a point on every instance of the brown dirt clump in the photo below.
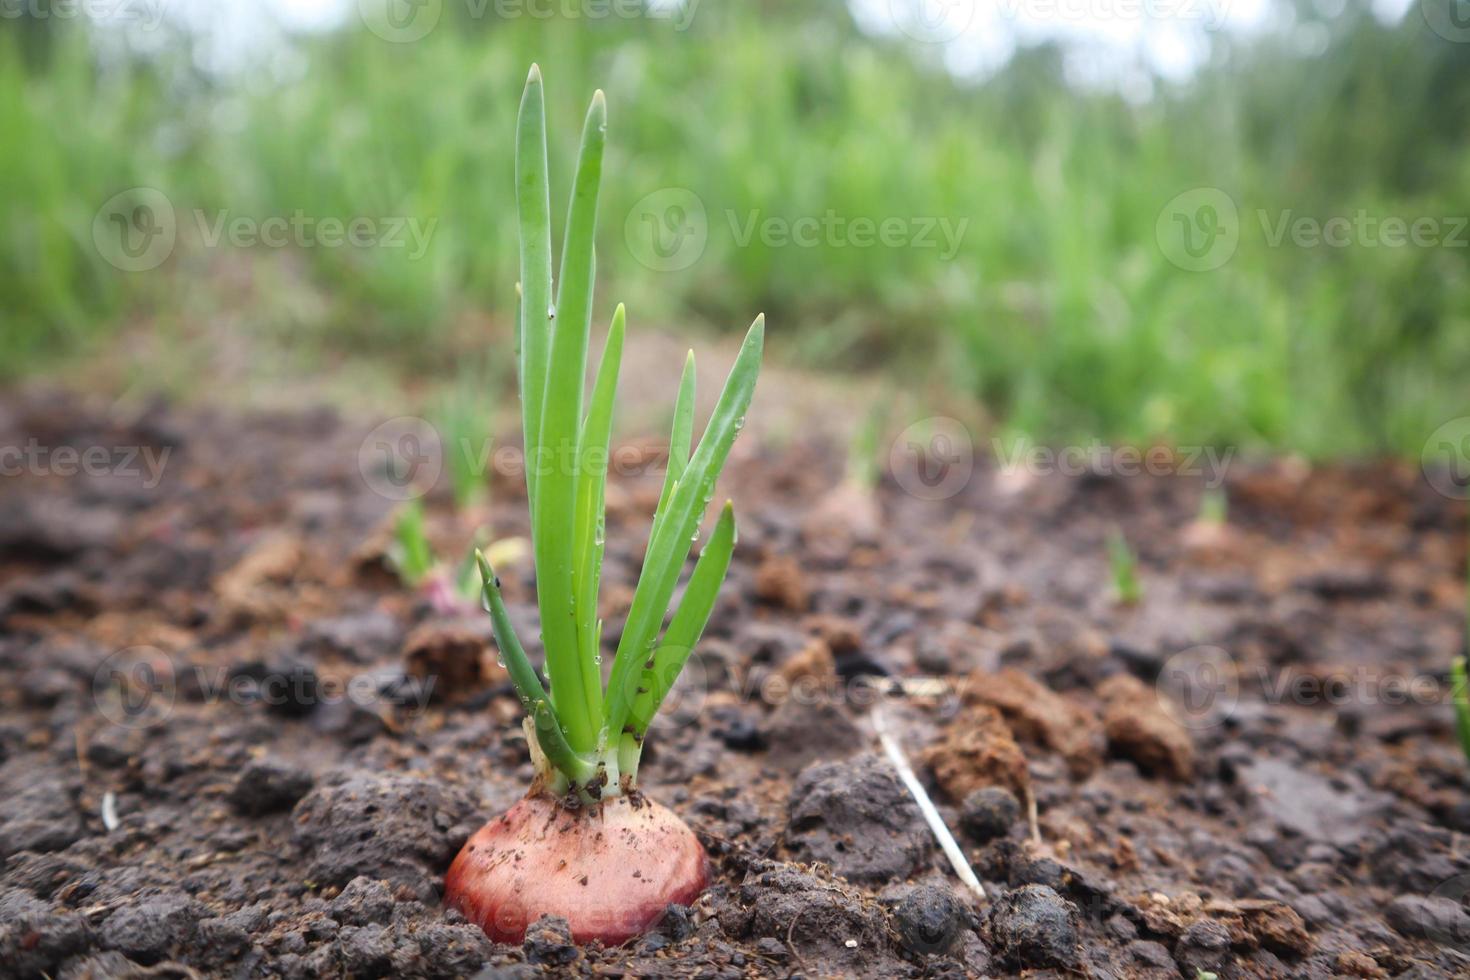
(454, 657)
(978, 750)
(779, 580)
(1035, 713)
(1139, 729)
(256, 588)
(812, 662)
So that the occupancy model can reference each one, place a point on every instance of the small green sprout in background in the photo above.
(467, 428)
(1214, 507)
(412, 558)
(589, 738)
(1125, 569)
(410, 554)
(864, 467)
(466, 433)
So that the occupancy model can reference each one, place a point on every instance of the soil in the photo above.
(234, 746)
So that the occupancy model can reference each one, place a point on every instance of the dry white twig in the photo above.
(926, 806)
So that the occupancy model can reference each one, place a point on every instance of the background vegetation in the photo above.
(1063, 309)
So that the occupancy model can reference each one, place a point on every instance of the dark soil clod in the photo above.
(990, 812)
(1034, 926)
(267, 786)
(857, 818)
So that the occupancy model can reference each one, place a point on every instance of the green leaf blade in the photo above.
(517, 664)
(549, 733)
(673, 536)
(688, 623)
(577, 701)
(551, 736)
(680, 439)
(579, 263)
(592, 449)
(533, 205)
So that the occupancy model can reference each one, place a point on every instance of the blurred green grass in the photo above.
(1060, 309)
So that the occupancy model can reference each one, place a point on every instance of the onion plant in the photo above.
(450, 592)
(587, 736)
(1124, 566)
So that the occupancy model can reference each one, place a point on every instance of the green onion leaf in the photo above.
(679, 443)
(673, 535)
(578, 702)
(688, 623)
(512, 654)
(549, 734)
(590, 531)
(533, 202)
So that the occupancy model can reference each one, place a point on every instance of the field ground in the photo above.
(183, 781)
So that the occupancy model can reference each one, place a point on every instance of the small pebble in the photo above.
(929, 919)
(364, 901)
(989, 812)
(549, 942)
(1033, 926)
(268, 786)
